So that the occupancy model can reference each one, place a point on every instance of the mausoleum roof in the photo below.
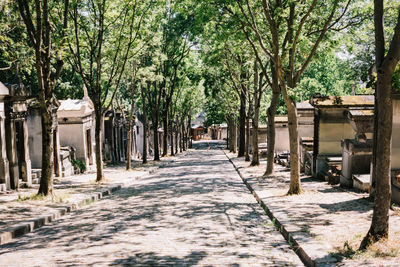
(343, 101)
(75, 108)
(304, 105)
(196, 126)
(3, 90)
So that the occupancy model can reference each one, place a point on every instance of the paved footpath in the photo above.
(195, 211)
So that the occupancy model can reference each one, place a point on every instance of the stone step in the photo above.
(361, 182)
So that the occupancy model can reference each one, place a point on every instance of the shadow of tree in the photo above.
(152, 259)
(195, 209)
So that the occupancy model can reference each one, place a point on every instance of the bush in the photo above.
(79, 164)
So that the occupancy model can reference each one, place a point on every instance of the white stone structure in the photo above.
(35, 136)
(305, 119)
(4, 167)
(224, 131)
(332, 125)
(77, 128)
(282, 142)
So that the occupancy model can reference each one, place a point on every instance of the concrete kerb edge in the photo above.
(9, 234)
(304, 257)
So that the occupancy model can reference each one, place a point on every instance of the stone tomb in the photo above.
(214, 131)
(140, 136)
(281, 134)
(16, 136)
(305, 119)
(35, 137)
(395, 157)
(357, 152)
(115, 137)
(77, 128)
(224, 131)
(262, 138)
(197, 132)
(331, 126)
(306, 146)
(4, 167)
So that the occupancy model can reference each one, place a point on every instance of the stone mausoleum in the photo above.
(35, 137)
(15, 163)
(76, 124)
(331, 126)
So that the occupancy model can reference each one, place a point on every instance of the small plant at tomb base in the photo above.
(79, 164)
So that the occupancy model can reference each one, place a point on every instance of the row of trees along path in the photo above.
(168, 59)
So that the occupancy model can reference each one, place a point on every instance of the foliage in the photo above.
(77, 163)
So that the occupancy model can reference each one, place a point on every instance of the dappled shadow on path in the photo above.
(194, 211)
(151, 259)
(322, 212)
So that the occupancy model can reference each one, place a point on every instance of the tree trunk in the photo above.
(165, 135)
(242, 123)
(247, 147)
(295, 187)
(271, 133)
(230, 133)
(271, 122)
(46, 180)
(234, 137)
(99, 155)
(176, 138)
(144, 156)
(256, 95)
(255, 159)
(155, 141)
(189, 132)
(172, 141)
(128, 146)
(384, 114)
(181, 138)
(380, 220)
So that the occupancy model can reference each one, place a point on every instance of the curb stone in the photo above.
(28, 226)
(315, 258)
(22, 228)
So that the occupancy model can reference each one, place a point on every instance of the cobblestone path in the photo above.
(195, 211)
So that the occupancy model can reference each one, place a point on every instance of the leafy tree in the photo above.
(101, 39)
(289, 33)
(47, 37)
(386, 60)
